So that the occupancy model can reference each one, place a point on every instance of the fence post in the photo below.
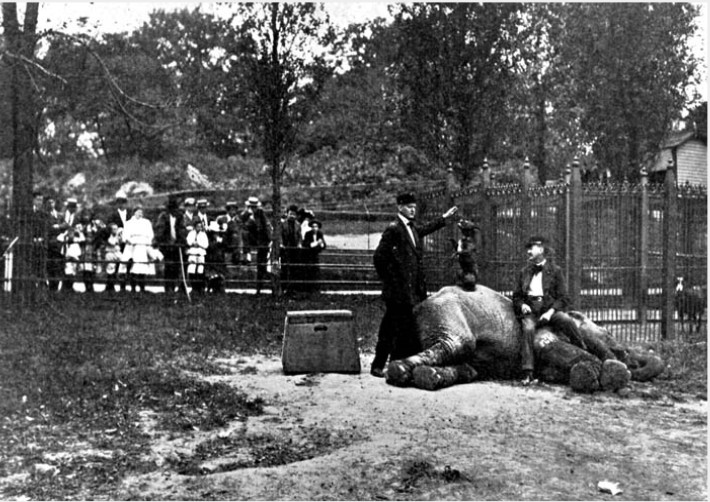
(642, 305)
(525, 205)
(567, 176)
(670, 218)
(451, 189)
(488, 228)
(575, 233)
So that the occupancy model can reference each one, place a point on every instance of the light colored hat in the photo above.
(253, 201)
(121, 195)
(231, 203)
(202, 202)
(190, 201)
(71, 201)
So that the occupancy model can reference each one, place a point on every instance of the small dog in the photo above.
(467, 254)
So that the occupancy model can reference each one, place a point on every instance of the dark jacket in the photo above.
(290, 234)
(162, 237)
(554, 288)
(399, 263)
(115, 217)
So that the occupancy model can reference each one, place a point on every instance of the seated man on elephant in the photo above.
(540, 297)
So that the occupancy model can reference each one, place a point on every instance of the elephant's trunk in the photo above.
(644, 366)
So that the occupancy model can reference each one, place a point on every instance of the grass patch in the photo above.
(686, 367)
(76, 372)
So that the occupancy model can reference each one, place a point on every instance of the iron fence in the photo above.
(621, 245)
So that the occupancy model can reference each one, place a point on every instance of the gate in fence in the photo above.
(622, 246)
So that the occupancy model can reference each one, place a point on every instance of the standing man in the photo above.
(55, 260)
(540, 297)
(39, 238)
(119, 217)
(70, 219)
(189, 214)
(290, 248)
(398, 261)
(202, 213)
(170, 237)
(233, 237)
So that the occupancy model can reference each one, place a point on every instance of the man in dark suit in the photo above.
(233, 237)
(170, 237)
(55, 259)
(291, 250)
(398, 261)
(120, 215)
(540, 297)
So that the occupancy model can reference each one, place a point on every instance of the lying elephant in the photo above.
(469, 335)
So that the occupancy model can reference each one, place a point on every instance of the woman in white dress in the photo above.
(138, 235)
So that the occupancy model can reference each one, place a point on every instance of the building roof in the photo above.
(675, 139)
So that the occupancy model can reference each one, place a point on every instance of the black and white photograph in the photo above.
(353, 250)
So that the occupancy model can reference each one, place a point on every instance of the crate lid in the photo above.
(298, 314)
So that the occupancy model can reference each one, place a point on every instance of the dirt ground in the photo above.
(353, 437)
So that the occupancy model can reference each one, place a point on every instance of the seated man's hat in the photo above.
(253, 201)
(406, 198)
(536, 241)
(231, 204)
(190, 201)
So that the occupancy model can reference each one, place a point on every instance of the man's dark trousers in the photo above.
(397, 336)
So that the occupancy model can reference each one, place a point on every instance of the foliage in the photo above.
(114, 93)
(437, 85)
(453, 67)
(202, 52)
(622, 72)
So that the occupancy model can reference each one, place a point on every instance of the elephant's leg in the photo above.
(442, 353)
(438, 377)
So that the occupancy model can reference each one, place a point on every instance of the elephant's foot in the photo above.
(399, 373)
(614, 376)
(438, 377)
(584, 376)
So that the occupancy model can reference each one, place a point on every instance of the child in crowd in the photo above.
(112, 255)
(197, 242)
(72, 239)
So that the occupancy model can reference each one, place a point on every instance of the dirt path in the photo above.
(355, 437)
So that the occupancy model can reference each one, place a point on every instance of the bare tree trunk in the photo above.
(20, 44)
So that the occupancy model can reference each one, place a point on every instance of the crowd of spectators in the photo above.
(186, 246)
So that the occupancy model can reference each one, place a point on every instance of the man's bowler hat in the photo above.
(406, 198)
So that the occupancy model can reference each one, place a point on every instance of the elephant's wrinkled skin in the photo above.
(469, 335)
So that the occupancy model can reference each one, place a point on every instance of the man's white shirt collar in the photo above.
(409, 228)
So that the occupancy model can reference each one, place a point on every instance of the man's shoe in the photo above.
(377, 372)
(528, 380)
